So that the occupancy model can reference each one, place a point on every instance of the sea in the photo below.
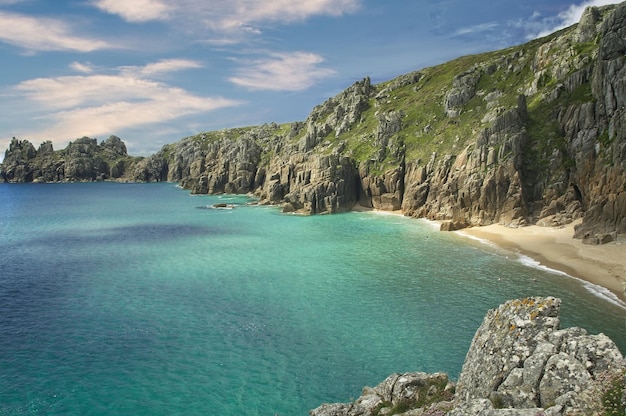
(142, 299)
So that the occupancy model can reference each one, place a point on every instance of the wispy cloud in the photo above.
(44, 34)
(281, 72)
(99, 104)
(537, 25)
(481, 28)
(162, 67)
(226, 16)
(85, 68)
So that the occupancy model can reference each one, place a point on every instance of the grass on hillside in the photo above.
(425, 126)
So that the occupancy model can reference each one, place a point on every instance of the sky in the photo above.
(155, 71)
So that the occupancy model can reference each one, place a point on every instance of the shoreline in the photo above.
(603, 266)
(555, 248)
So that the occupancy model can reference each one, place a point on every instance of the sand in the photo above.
(603, 265)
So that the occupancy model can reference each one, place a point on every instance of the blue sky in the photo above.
(155, 71)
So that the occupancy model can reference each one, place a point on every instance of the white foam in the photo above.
(603, 293)
(530, 262)
(596, 290)
(480, 240)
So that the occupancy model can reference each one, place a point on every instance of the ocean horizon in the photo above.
(141, 299)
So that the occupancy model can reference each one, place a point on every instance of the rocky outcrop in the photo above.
(18, 162)
(397, 393)
(519, 363)
(82, 160)
(463, 90)
(520, 358)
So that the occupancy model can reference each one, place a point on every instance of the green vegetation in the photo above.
(614, 394)
(205, 138)
(425, 126)
(500, 77)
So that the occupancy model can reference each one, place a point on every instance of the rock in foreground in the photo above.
(519, 363)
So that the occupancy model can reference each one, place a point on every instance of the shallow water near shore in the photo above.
(140, 299)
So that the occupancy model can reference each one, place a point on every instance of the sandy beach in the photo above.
(603, 265)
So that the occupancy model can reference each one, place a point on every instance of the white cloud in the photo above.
(538, 26)
(101, 104)
(220, 15)
(85, 68)
(244, 13)
(135, 10)
(112, 117)
(282, 72)
(44, 34)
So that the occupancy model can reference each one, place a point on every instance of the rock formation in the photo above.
(82, 160)
(532, 134)
(519, 363)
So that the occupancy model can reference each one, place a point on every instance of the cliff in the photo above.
(532, 134)
(520, 363)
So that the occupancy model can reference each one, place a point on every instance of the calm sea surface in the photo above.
(137, 299)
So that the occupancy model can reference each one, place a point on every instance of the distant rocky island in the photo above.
(520, 363)
(532, 134)
(82, 160)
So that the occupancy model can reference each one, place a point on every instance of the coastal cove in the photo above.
(143, 299)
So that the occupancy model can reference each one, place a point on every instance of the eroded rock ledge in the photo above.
(519, 363)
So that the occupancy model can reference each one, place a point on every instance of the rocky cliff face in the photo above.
(529, 134)
(519, 363)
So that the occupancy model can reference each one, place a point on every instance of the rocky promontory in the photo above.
(520, 363)
(531, 134)
(82, 160)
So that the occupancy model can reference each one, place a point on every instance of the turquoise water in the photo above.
(136, 299)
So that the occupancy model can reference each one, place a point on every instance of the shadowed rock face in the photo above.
(519, 363)
(530, 134)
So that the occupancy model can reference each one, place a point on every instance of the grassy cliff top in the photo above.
(442, 108)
